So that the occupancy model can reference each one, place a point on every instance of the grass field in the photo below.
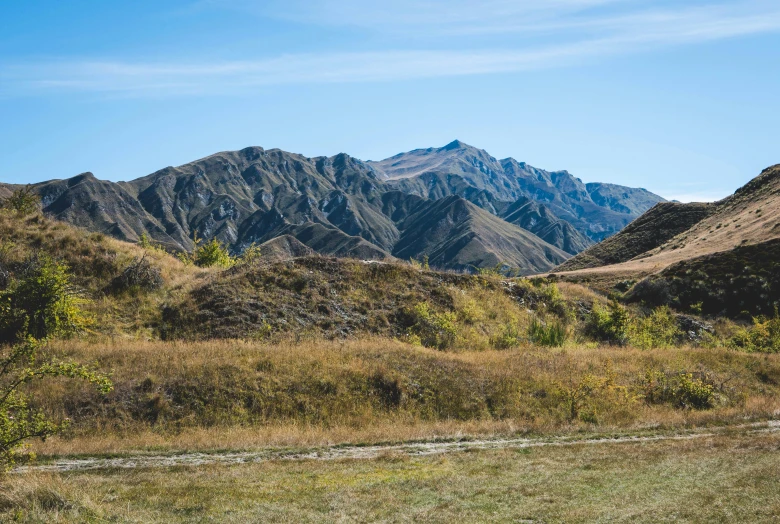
(725, 478)
(197, 396)
(331, 373)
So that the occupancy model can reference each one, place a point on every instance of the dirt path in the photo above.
(369, 452)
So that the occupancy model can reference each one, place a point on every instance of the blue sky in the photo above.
(680, 97)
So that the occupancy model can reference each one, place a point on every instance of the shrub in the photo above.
(147, 243)
(139, 275)
(438, 330)
(763, 336)
(417, 264)
(574, 394)
(43, 303)
(681, 390)
(509, 337)
(23, 201)
(553, 299)
(551, 334)
(211, 254)
(496, 271)
(19, 422)
(610, 324)
(659, 329)
(251, 255)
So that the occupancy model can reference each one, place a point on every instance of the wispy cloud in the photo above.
(418, 16)
(628, 31)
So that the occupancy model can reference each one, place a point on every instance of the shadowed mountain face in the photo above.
(596, 210)
(497, 211)
(539, 220)
(455, 233)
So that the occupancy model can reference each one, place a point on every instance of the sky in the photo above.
(679, 97)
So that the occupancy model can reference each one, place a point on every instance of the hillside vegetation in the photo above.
(285, 350)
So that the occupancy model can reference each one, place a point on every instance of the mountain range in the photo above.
(457, 205)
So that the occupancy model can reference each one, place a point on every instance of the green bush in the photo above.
(509, 337)
(496, 271)
(212, 254)
(659, 329)
(680, 389)
(209, 254)
(610, 324)
(42, 303)
(763, 336)
(251, 255)
(551, 334)
(437, 330)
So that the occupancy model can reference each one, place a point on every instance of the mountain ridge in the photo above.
(458, 168)
(337, 205)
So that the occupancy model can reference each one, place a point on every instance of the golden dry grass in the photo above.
(209, 395)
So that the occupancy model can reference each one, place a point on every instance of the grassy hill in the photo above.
(651, 230)
(724, 261)
(293, 356)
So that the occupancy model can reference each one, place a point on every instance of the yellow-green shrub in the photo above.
(658, 329)
(681, 389)
(437, 330)
(41, 303)
(551, 333)
(763, 336)
(610, 324)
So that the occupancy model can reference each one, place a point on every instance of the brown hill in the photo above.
(734, 242)
(284, 247)
(663, 222)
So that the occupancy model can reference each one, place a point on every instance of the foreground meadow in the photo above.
(723, 478)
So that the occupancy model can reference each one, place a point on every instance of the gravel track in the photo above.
(369, 452)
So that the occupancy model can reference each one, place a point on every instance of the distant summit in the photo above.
(596, 210)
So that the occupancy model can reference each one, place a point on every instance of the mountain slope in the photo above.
(455, 233)
(597, 211)
(663, 222)
(539, 220)
(340, 205)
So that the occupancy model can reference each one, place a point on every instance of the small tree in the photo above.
(209, 254)
(42, 303)
(251, 255)
(23, 201)
(19, 365)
